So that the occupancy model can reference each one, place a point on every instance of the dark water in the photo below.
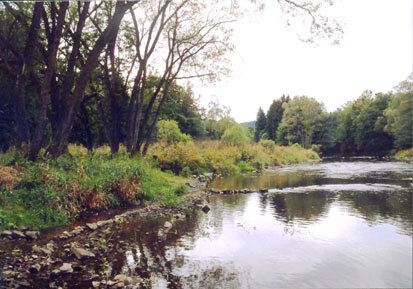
(339, 224)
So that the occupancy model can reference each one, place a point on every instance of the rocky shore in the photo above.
(54, 262)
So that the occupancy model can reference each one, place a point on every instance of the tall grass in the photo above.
(217, 156)
(50, 193)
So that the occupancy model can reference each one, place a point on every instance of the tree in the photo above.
(399, 115)
(260, 124)
(326, 132)
(193, 44)
(300, 117)
(274, 116)
(370, 137)
(218, 120)
(236, 135)
(169, 131)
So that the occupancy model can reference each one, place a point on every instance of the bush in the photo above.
(169, 131)
(267, 143)
(236, 135)
(316, 148)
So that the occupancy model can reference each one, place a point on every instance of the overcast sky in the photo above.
(376, 54)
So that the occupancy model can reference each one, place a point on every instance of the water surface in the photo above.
(335, 225)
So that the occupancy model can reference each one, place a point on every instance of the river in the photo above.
(331, 224)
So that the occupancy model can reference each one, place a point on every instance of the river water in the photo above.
(331, 224)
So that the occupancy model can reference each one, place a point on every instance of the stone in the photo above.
(209, 175)
(205, 209)
(95, 284)
(18, 234)
(33, 235)
(111, 283)
(66, 268)
(121, 278)
(35, 269)
(263, 190)
(82, 253)
(6, 233)
(167, 225)
(92, 226)
(7, 274)
(24, 283)
(46, 251)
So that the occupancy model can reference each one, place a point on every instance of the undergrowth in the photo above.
(187, 158)
(405, 155)
(50, 193)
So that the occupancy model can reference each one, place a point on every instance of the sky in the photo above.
(269, 60)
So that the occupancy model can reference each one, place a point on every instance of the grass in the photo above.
(405, 155)
(50, 193)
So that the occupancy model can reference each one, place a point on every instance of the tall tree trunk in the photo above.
(148, 135)
(23, 133)
(72, 107)
(47, 81)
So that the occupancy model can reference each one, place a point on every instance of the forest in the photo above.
(371, 125)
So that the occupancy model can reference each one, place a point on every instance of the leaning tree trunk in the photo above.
(59, 144)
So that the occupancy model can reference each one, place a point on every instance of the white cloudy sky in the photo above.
(375, 53)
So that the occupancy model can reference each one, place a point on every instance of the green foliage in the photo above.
(169, 131)
(236, 135)
(405, 155)
(274, 116)
(51, 192)
(260, 125)
(362, 125)
(268, 144)
(300, 116)
(226, 159)
(326, 132)
(399, 116)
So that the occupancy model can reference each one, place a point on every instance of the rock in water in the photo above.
(82, 253)
(205, 209)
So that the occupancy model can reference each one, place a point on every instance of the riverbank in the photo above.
(405, 155)
(51, 193)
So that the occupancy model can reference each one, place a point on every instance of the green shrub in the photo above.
(236, 135)
(267, 143)
(169, 131)
(186, 172)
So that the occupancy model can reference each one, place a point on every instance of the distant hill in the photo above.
(249, 124)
